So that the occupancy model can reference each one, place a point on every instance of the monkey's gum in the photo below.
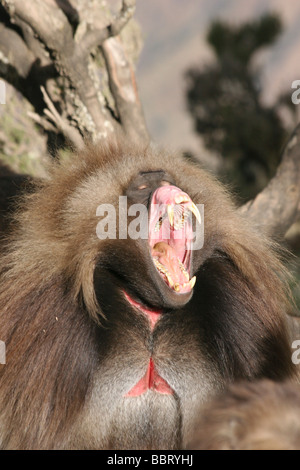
(171, 235)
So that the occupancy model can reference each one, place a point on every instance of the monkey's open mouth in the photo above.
(171, 236)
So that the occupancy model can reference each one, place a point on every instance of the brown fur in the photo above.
(11, 186)
(67, 365)
(251, 416)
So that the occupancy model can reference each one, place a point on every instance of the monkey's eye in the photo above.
(143, 186)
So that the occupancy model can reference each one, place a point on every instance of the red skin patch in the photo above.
(153, 316)
(151, 380)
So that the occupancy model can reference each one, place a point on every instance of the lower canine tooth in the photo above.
(192, 282)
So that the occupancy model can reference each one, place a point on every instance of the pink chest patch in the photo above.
(153, 316)
(151, 380)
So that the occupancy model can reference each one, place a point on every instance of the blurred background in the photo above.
(175, 40)
(215, 80)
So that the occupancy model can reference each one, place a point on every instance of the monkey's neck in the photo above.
(151, 379)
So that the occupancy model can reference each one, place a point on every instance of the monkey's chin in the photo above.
(159, 299)
(173, 300)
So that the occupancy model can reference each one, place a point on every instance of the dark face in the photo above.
(155, 271)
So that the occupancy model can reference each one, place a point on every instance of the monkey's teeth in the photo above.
(189, 284)
(159, 223)
(178, 225)
(170, 280)
(176, 286)
(181, 216)
(158, 264)
(196, 212)
(171, 214)
(186, 274)
(192, 282)
(164, 271)
(179, 198)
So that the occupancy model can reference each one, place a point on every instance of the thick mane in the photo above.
(47, 301)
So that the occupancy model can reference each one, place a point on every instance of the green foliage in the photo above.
(224, 100)
(241, 43)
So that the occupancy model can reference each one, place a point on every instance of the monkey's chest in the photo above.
(149, 387)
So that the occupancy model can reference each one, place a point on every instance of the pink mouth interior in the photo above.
(171, 243)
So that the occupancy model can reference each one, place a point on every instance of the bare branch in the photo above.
(52, 27)
(44, 123)
(124, 89)
(48, 34)
(14, 53)
(70, 132)
(46, 20)
(97, 37)
(278, 205)
(20, 67)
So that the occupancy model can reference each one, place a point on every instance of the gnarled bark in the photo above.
(277, 207)
(50, 51)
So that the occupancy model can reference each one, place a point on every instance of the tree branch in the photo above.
(124, 89)
(70, 132)
(14, 52)
(45, 19)
(97, 37)
(277, 207)
(57, 34)
(21, 68)
(52, 27)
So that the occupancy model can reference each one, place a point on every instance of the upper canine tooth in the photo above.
(179, 198)
(171, 214)
(196, 212)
